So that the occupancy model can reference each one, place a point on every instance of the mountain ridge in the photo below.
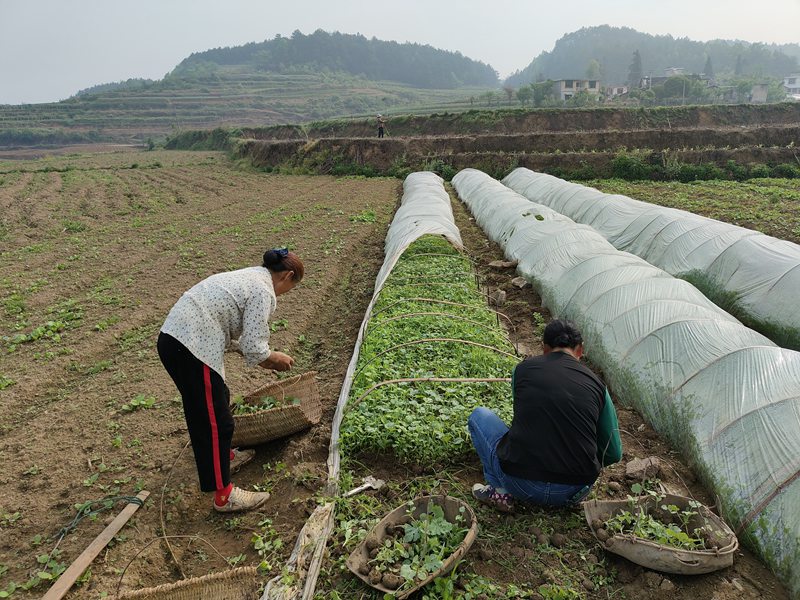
(613, 47)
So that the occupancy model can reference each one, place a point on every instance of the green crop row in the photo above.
(432, 294)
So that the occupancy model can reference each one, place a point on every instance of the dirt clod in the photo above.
(392, 581)
(643, 468)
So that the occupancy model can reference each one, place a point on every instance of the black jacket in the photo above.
(553, 436)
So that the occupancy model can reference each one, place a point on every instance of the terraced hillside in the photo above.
(684, 143)
(282, 80)
(234, 96)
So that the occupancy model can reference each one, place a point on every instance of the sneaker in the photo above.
(241, 500)
(488, 495)
(241, 458)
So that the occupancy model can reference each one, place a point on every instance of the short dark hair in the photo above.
(561, 333)
(280, 259)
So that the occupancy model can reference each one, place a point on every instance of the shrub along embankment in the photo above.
(498, 155)
(513, 121)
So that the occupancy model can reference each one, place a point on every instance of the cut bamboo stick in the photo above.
(79, 565)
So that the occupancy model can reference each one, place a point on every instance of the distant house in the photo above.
(612, 91)
(792, 84)
(758, 95)
(674, 71)
(648, 81)
(564, 89)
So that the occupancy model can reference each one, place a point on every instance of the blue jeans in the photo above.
(486, 429)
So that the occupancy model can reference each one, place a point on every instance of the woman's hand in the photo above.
(278, 361)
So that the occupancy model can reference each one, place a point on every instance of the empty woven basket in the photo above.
(243, 583)
(285, 419)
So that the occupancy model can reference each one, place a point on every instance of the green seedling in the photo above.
(140, 401)
(240, 407)
(414, 550)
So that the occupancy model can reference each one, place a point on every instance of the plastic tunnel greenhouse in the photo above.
(429, 346)
(753, 274)
(724, 395)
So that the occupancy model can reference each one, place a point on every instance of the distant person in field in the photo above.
(563, 431)
(381, 126)
(227, 311)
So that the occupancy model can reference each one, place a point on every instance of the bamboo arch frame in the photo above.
(422, 341)
(461, 255)
(437, 314)
(447, 302)
(446, 283)
(431, 379)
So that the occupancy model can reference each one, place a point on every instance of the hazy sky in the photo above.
(50, 49)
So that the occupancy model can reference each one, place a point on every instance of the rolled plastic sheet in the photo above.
(724, 395)
(757, 275)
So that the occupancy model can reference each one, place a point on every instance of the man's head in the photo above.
(563, 336)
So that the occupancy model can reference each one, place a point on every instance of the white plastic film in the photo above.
(757, 274)
(724, 395)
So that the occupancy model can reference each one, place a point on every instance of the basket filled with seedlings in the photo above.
(415, 543)
(276, 410)
(664, 532)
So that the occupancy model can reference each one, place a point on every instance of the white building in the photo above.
(674, 71)
(792, 84)
(564, 89)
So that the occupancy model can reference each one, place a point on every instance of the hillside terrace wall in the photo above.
(514, 121)
(384, 156)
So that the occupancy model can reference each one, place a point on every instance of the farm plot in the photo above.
(540, 553)
(93, 257)
(101, 251)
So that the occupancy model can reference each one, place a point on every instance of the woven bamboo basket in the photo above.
(451, 506)
(661, 557)
(243, 583)
(274, 423)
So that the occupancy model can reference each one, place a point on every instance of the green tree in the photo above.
(593, 70)
(509, 91)
(635, 70)
(525, 95)
(739, 68)
(543, 93)
(708, 70)
(582, 98)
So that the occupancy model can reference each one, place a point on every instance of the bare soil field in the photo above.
(15, 154)
(94, 256)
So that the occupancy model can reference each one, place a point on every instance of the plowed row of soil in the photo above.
(122, 244)
(101, 252)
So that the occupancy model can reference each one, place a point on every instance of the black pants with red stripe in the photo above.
(206, 406)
